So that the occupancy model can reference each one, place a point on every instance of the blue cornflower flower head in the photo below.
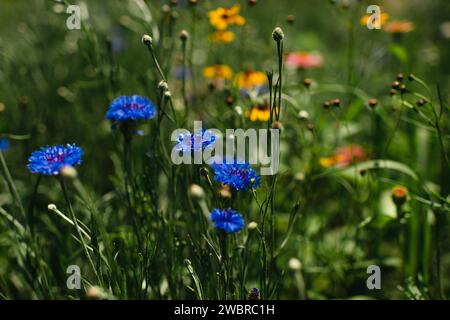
(240, 176)
(50, 160)
(125, 108)
(4, 144)
(227, 220)
(188, 142)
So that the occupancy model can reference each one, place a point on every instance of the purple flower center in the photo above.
(51, 158)
(133, 106)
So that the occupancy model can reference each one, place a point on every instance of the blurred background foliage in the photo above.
(56, 84)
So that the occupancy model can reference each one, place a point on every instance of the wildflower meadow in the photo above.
(224, 150)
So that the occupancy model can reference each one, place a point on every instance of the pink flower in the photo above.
(304, 60)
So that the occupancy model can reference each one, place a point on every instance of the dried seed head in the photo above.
(400, 77)
(326, 105)
(147, 40)
(402, 88)
(277, 34)
(290, 19)
(373, 103)
(307, 82)
(184, 35)
(252, 2)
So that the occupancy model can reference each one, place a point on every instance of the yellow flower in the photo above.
(383, 19)
(222, 36)
(218, 71)
(250, 79)
(260, 112)
(221, 18)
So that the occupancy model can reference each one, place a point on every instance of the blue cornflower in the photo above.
(4, 144)
(240, 176)
(227, 220)
(50, 160)
(134, 107)
(188, 142)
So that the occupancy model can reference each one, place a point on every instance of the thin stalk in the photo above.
(77, 228)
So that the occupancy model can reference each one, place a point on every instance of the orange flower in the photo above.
(218, 71)
(304, 60)
(345, 156)
(399, 195)
(250, 79)
(398, 27)
(222, 36)
(383, 19)
(221, 18)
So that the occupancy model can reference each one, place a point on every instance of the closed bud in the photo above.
(52, 207)
(277, 34)
(307, 82)
(295, 264)
(69, 172)
(399, 195)
(196, 191)
(252, 225)
(147, 40)
(336, 102)
(184, 35)
(373, 103)
(395, 85)
(290, 19)
(303, 115)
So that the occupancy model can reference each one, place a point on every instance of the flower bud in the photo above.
(303, 115)
(196, 191)
(52, 207)
(147, 40)
(252, 225)
(69, 172)
(254, 294)
(277, 34)
(184, 35)
(373, 103)
(399, 195)
(295, 264)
